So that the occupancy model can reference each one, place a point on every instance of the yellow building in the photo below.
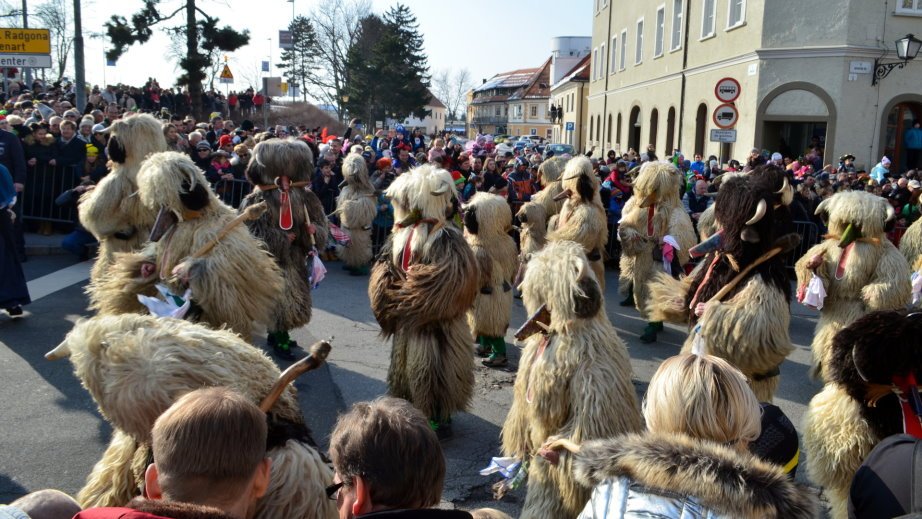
(655, 67)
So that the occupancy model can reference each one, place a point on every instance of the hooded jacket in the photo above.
(676, 476)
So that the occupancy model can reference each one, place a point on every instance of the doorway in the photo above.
(792, 139)
(701, 126)
(900, 119)
(633, 130)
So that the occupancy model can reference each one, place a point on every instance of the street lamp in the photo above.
(907, 48)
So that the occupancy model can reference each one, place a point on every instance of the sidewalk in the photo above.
(39, 245)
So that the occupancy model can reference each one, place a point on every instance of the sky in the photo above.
(484, 36)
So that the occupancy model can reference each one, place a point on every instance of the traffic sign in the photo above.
(570, 126)
(726, 116)
(723, 135)
(727, 90)
(25, 41)
(226, 75)
(285, 40)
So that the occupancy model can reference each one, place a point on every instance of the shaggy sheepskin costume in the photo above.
(674, 475)
(652, 213)
(234, 285)
(422, 286)
(293, 227)
(867, 361)
(549, 176)
(752, 337)
(532, 217)
(558, 389)
(357, 208)
(487, 221)
(112, 211)
(582, 217)
(911, 243)
(136, 366)
(860, 269)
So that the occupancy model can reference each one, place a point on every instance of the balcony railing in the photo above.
(492, 119)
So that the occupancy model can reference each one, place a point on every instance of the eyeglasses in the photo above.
(333, 490)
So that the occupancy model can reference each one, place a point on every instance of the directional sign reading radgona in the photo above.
(25, 41)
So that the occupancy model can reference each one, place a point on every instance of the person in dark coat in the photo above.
(71, 150)
(14, 160)
(14, 293)
(883, 486)
(325, 186)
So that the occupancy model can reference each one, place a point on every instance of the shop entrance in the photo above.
(899, 120)
(793, 139)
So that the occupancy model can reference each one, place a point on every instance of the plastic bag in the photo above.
(316, 270)
(815, 293)
(171, 305)
(916, 280)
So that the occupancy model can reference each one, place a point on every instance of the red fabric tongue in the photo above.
(407, 250)
(286, 222)
(840, 267)
(912, 424)
(650, 211)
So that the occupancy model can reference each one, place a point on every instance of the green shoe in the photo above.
(483, 349)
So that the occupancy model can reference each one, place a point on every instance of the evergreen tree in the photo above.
(298, 62)
(362, 72)
(201, 36)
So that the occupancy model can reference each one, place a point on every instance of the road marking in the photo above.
(59, 280)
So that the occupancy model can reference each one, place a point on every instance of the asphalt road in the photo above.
(51, 433)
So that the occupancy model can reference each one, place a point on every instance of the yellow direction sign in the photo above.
(25, 41)
(226, 75)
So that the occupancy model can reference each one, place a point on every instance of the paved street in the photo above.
(51, 433)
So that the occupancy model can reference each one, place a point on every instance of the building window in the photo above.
(708, 17)
(677, 15)
(614, 55)
(737, 13)
(909, 7)
(623, 49)
(618, 130)
(534, 111)
(638, 52)
(660, 31)
(497, 111)
(603, 61)
(595, 63)
(591, 135)
(609, 128)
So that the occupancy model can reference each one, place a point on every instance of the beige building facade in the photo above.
(655, 66)
(569, 95)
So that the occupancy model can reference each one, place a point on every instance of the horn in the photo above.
(440, 191)
(891, 213)
(61, 351)
(822, 207)
(760, 213)
(784, 187)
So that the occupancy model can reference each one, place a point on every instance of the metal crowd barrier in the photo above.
(232, 192)
(809, 236)
(44, 183)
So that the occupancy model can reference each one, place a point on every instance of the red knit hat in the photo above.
(458, 178)
(225, 140)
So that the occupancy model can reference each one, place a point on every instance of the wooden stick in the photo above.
(250, 213)
(319, 352)
(739, 277)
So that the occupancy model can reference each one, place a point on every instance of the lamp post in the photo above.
(907, 48)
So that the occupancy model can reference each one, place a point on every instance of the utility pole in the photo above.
(26, 72)
(79, 65)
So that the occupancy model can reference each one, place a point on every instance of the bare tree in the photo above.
(247, 75)
(55, 16)
(337, 25)
(451, 88)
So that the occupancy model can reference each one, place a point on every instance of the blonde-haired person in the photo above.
(489, 513)
(693, 460)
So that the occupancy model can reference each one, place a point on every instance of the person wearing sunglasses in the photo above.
(387, 463)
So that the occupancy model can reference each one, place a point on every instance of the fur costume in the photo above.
(652, 213)
(112, 211)
(752, 337)
(549, 174)
(676, 474)
(861, 270)
(235, 285)
(533, 229)
(421, 288)
(487, 221)
(845, 420)
(282, 170)
(357, 207)
(911, 243)
(582, 217)
(136, 366)
(574, 380)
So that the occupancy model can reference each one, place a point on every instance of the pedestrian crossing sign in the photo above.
(226, 75)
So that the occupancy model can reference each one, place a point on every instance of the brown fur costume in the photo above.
(911, 243)
(721, 480)
(875, 275)
(112, 211)
(487, 220)
(136, 366)
(582, 218)
(357, 208)
(235, 285)
(752, 337)
(549, 174)
(533, 230)
(840, 426)
(292, 160)
(559, 388)
(653, 212)
(421, 288)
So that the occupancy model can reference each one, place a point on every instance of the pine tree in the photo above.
(363, 72)
(405, 69)
(298, 62)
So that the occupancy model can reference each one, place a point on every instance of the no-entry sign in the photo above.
(725, 116)
(727, 90)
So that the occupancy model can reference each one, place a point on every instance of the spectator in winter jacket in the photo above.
(71, 150)
(325, 186)
(521, 184)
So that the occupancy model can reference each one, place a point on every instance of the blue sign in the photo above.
(571, 126)
(265, 66)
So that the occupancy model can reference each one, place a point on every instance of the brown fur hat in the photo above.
(276, 158)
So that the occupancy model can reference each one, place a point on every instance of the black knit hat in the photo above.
(778, 442)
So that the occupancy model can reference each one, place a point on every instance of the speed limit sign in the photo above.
(726, 116)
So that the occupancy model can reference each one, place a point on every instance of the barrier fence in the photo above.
(44, 183)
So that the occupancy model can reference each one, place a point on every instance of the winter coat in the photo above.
(71, 153)
(153, 509)
(913, 139)
(677, 476)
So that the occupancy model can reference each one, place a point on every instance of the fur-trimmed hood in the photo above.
(723, 480)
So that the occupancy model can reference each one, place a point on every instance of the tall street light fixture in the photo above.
(907, 48)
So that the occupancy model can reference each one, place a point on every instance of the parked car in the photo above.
(559, 149)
